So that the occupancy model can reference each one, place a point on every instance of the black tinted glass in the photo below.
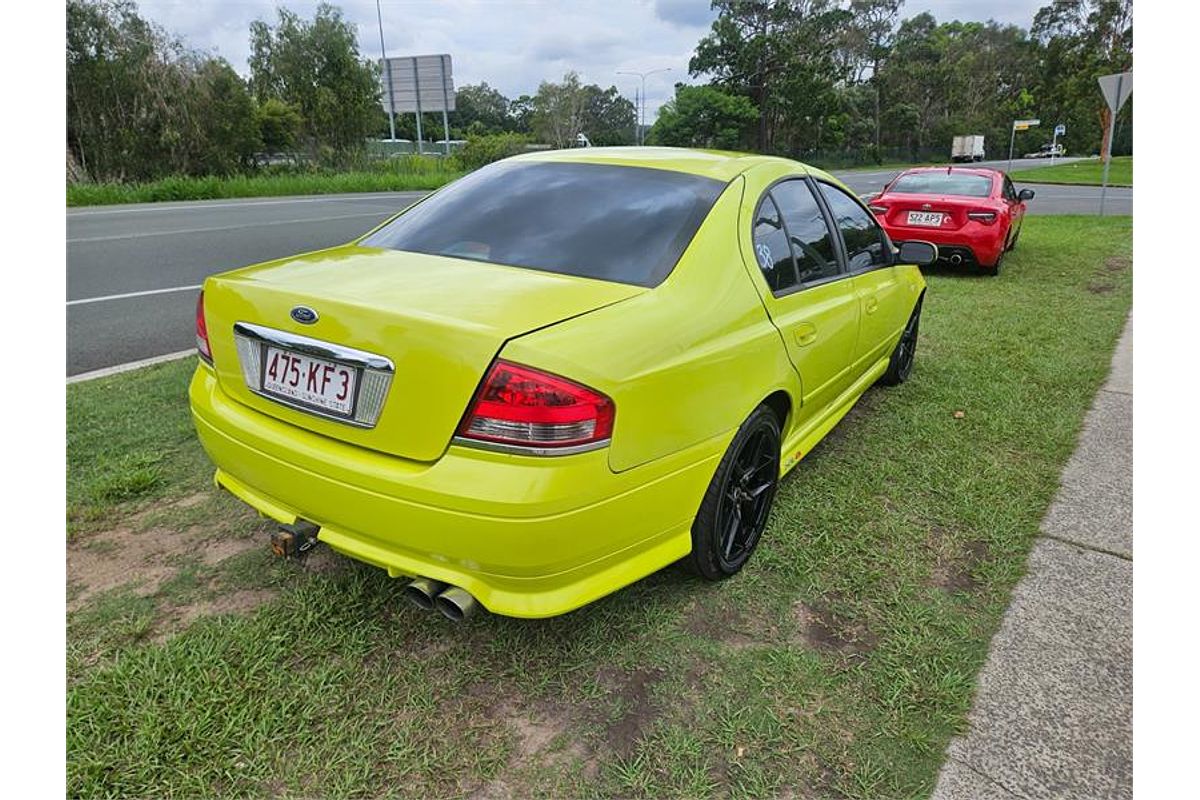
(771, 247)
(623, 224)
(960, 183)
(811, 241)
(865, 242)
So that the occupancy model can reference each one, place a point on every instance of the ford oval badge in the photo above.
(304, 315)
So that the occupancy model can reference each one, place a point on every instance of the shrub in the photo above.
(481, 150)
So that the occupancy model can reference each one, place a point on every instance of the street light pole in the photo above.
(641, 110)
(386, 66)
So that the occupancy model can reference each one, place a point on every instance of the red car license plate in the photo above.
(325, 385)
(928, 219)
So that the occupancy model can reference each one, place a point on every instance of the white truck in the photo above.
(967, 148)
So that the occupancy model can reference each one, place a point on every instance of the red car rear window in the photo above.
(963, 183)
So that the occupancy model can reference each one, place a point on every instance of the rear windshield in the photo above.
(962, 183)
(622, 224)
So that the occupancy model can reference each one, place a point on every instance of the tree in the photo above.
(608, 118)
(870, 37)
(704, 116)
(479, 110)
(278, 125)
(559, 112)
(315, 67)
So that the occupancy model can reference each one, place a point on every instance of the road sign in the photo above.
(1116, 89)
(1060, 130)
(419, 84)
(1025, 124)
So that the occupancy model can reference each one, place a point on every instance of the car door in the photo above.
(1016, 209)
(810, 299)
(881, 293)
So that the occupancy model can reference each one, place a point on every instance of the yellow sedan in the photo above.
(556, 375)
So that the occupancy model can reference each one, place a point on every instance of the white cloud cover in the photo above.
(516, 44)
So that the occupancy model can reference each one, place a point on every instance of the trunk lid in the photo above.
(439, 320)
(952, 208)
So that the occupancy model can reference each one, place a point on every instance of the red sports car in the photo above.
(972, 214)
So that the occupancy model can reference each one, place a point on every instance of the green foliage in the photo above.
(559, 112)
(481, 150)
(704, 116)
(480, 110)
(278, 125)
(315, 67)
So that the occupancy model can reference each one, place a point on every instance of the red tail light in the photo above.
(981, 215)
(202, 331)
(527, 408)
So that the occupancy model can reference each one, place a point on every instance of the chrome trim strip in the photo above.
(520, 450)
(315, 347)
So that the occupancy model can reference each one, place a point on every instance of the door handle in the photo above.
(805, 333)
(872, 305)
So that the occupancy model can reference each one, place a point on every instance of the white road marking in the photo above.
(224, 227)
(86, 300)
(132, 365)
(200, 205)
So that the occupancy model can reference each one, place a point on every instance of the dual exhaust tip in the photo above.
(455, 604)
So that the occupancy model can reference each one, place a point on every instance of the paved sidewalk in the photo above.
(1052, 714)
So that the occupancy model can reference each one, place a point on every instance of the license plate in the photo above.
(929, 219)
(315, 382)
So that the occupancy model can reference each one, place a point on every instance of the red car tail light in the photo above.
(980, 215)
(523, 407)
(202, 345)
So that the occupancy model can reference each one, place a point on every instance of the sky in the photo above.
(514, 45)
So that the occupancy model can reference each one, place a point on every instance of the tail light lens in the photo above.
(877, 208)
(980, 215)
(518, 406)
(202, 331)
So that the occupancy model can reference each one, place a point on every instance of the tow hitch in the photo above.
(293, 541)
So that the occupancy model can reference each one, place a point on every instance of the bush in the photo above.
(481, 150)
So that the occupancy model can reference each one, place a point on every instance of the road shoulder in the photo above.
(1052, 712)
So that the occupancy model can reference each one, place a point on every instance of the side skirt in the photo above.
(801, 442)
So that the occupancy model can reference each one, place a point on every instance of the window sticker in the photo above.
(764, 255)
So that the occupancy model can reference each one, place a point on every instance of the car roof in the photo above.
(722, 165)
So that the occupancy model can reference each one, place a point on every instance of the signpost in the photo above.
(1116, 90)
(1059, 130)
(419, 84)
(1019, 125)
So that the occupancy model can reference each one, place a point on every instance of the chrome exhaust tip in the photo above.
(956, 259)
(456, 604)
(423, 591)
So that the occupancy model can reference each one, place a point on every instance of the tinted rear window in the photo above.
(623, 224)
(943, 183)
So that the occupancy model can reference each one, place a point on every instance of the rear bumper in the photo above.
(527, 536)
(975, 241)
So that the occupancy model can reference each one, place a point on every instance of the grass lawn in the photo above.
(409, 174)
(1089, 172)
(839, 663)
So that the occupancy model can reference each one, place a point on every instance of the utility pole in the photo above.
(386, 66)
(641, 109)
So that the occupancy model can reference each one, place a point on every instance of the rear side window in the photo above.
(614, 223)
(771, 247)
(866, 244)
(960, 183)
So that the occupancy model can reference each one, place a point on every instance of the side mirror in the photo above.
(920, 253)
(1025, 194)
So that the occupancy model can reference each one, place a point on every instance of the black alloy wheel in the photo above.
(901, 364)
(738, 502)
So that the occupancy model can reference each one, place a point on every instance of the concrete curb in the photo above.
(132, 365)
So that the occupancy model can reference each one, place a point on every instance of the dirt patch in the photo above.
(1118, 263)
(243, 601)
(633, 689)
(956, 574)
(1096, 287)
(821, 629)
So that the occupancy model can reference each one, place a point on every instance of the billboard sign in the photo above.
(418, 84)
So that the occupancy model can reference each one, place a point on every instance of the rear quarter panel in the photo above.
(686, 362)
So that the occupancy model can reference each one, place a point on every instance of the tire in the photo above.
(734, 511)
(901, 363)
(994, 270)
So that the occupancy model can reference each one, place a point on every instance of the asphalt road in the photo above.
(133, 271)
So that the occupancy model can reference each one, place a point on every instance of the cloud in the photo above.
(685, 13)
